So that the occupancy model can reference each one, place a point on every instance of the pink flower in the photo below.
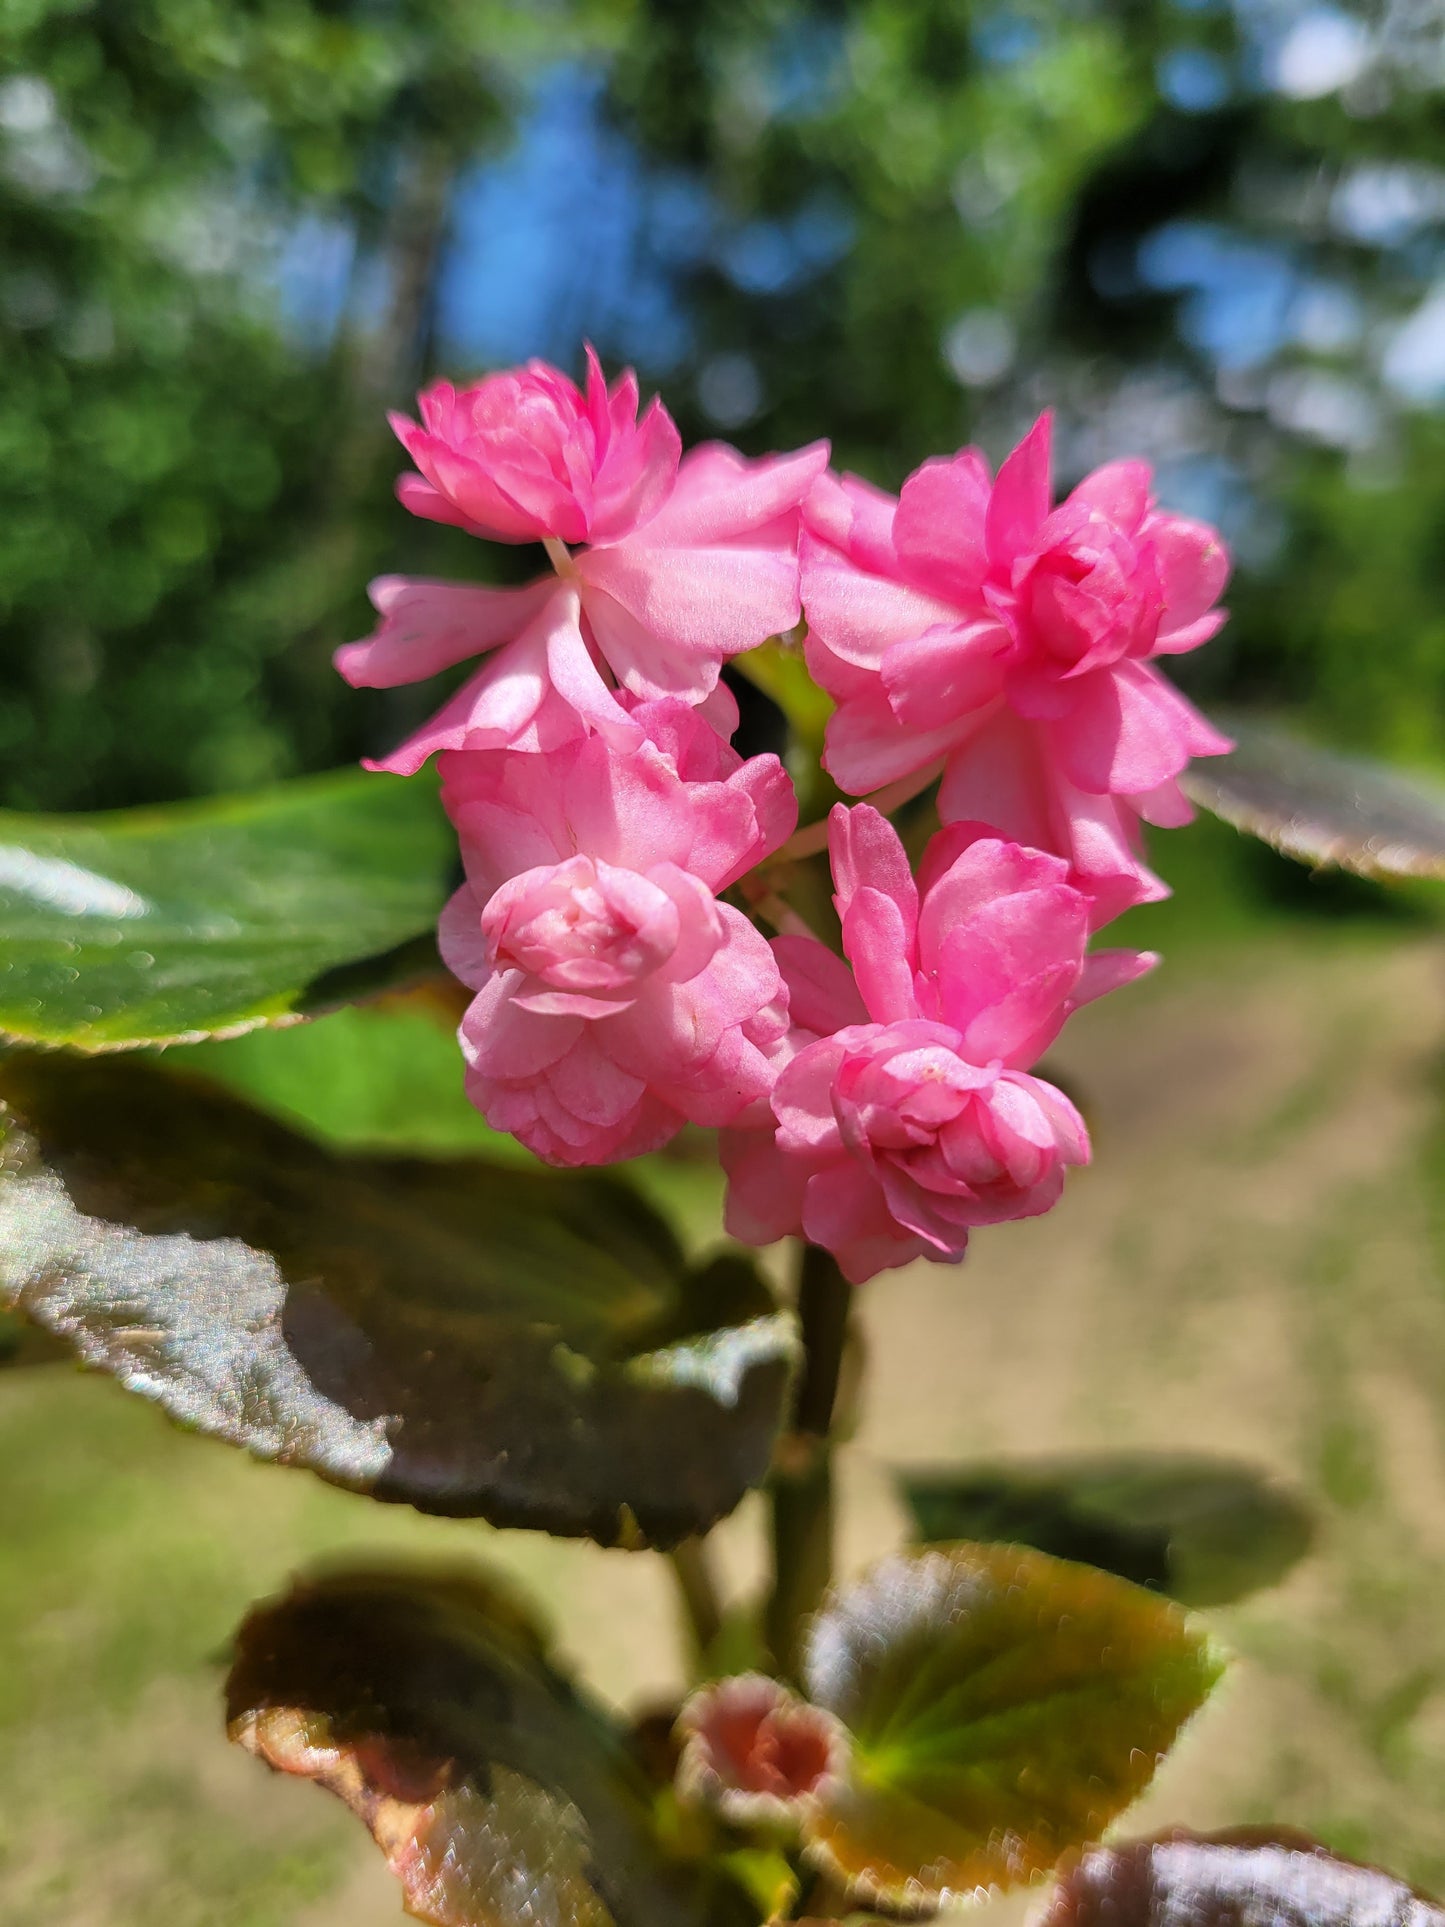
(616, 997)
(906, 1115)
(756, 1753)
(687, 563)
(524, 455)
(969, 621)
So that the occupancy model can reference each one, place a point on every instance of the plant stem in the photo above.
(814, 836)
(802, 1484)
(698, 1592)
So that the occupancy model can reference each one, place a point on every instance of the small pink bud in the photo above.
(588, 927)
(757, 1754)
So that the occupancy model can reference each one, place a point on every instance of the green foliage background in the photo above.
(898, 222)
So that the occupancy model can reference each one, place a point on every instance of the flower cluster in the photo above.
(612, 836)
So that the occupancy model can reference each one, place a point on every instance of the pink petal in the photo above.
(1106, 970)
(878, 947)
(417, 495)
(945, 672)
(938, 530)
(865, 852)
(854, 516)
(1021, 494)
(430, 626)
(628, 810)
(1070, 1132)
(723, 497)
(730, 1084)
(475, 502)
(594, 1088)
(690, 608)
(866, 747)
(638, 475)
(700, 928)
(963, 870)
(1193, 635)
(491, 709)
(576, 678)
(769, 789)
(997, 777)
(647, 669)
(765, 1187)
(1119, 491)
(845, 1211)
(502, 1041)
(1194, 567)
(822, 996)
(859, 615)
(803, 1100)
(1008, 777)
(1126, 731)
(1005, 975)
(1167, 807)
(507, 821)
(460, 939)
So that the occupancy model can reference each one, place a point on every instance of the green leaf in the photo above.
(1004, 1707)
(1322, 808)
(207, 919)
(527, 1347)
(26, 1344)
(1204, 1530)
(1249, 1874)
(382, 1076)
(499, 1797)
(778, 669)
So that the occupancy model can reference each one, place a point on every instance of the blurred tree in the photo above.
(233, 233)
(1211, 234)
(220, 227)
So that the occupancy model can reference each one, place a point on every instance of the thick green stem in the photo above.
(698, 1593)
(802, 1485)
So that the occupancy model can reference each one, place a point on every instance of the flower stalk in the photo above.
(697, 1592)
(802, 1483)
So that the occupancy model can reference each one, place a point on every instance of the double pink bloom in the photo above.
(687, 562)
(906, 1115)
(617, 998)
(969, 623)
(881, 1110)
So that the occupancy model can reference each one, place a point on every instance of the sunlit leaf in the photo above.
(204, 919)
(1004, 1707)
(499, 1798)
(1249, 1877)
(1204, 1530)
(1322, 808)
(528, 1347)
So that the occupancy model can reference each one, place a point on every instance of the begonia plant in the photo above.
(837, 964)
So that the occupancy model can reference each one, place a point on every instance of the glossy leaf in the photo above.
(207, 919)
(499, 1798)
(1322, 808)
(1004, 1707)
(1248, 1877)
(1204, 1530)
(526, 1347)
